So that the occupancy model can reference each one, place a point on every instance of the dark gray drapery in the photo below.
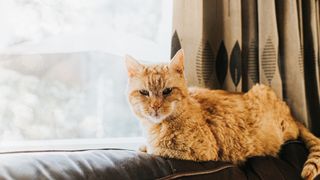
(233, 44)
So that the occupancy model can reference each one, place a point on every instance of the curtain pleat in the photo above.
(207, 51)
(215, 13)
(269, 46)
(250, 41)
(317, 25)
(231, 42)
(311, 62)
(291, 59)
(234, 44)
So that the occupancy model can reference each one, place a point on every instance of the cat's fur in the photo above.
(201, 124)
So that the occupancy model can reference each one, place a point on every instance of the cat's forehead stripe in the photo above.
(156, 76)
(156, 69)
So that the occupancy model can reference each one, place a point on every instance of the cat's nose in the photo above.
(155, 106)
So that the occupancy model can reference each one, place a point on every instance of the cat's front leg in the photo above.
(175, 153)
(143, 148)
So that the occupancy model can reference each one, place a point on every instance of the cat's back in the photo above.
(259, 92)
(218, 100)
(262, 92)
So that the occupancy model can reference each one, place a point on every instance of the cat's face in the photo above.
(155, 90)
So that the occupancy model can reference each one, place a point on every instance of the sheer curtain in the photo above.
(234, 44)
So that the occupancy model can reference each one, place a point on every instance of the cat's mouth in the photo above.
(156, 117)
(156, 114)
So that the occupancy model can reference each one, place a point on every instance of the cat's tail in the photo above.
(311, 167)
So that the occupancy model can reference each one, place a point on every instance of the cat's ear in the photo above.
(133, 66)
(177, 62)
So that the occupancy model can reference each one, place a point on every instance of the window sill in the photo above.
(132, 143)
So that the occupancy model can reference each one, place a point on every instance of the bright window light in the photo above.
(62, 74)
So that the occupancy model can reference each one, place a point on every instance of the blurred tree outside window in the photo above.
(62, 74)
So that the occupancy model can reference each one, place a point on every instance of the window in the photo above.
(62, 74)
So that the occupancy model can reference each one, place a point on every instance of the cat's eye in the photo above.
(167, 91)
(144, 92)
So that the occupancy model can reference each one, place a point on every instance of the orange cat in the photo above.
(201, 124)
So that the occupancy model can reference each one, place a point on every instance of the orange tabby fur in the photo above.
(201, 124)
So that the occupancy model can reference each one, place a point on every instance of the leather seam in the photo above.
(195, 173)
(292, 142)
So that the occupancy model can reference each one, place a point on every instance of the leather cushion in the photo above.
(127, 164)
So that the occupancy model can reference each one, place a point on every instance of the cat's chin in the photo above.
(156, 119)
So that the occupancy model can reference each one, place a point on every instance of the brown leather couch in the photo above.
(116, 164)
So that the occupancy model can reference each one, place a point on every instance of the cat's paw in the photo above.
(309, 171)
(143, 148)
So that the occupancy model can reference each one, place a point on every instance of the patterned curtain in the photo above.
(234, 44)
